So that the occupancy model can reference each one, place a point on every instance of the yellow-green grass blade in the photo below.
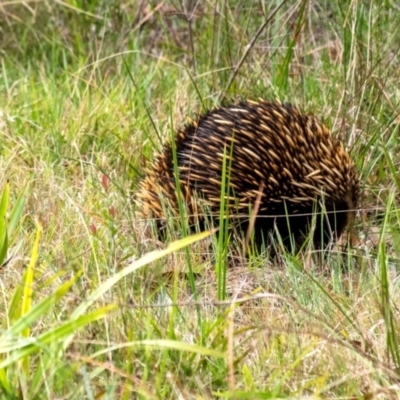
(165, 344)
(146, 259)
(3, 222)
(35, 313)
(28, 280)
(24, 348)
(16, 213)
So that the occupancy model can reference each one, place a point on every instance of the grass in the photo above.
(92, 306)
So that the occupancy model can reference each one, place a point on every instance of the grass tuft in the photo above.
(98, 307)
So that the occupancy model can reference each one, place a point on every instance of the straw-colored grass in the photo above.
(90, 91)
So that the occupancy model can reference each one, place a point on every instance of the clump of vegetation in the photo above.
(91, 91)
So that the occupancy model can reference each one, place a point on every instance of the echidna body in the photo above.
(284, 161)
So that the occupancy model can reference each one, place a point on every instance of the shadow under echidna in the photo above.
(274, 156)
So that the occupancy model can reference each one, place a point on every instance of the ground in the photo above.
(93, 304)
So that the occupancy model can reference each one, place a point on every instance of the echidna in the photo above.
(270, 147)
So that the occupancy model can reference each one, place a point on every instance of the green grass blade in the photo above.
(166, 344)
(3, 222)
(283, 71)
(146, 259)
(16, 213)
(59, 334)
(221, 261)
(28, 280)
(37, 311)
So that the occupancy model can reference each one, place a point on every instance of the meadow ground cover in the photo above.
(93, 305)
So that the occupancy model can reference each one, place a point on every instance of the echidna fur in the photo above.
(290, 155)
